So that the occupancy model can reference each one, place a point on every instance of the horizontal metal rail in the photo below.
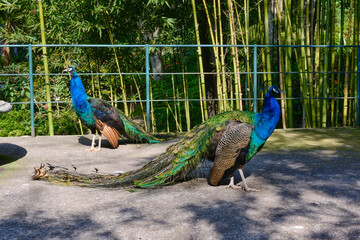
(174, 45)
(147, 72)
(172, 73)
(193, 100)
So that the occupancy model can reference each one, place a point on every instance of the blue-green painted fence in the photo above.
(147, 72)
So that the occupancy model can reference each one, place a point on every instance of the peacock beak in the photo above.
(282, 91)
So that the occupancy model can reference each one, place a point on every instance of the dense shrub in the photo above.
(18, 123)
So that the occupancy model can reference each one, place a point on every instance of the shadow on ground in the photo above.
(10, 153)
(104, 142)
(311, 191)
(304, 196)
(26, 224)
(308, 192)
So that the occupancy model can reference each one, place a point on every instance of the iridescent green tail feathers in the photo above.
(169, 167)
(135, 132)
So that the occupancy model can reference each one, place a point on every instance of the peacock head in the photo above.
(274, 91)
(71, 70)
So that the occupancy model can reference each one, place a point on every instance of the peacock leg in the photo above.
(99, 147)
(92, 143)
(232, 185)
(246, 188)
(93, 149)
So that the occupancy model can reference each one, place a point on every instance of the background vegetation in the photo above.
(321, 95)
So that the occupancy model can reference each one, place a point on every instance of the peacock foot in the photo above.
(251, 189)
(247, 189)
(236, 187)
(93, 150)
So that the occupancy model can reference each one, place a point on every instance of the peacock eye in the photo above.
(275, 90)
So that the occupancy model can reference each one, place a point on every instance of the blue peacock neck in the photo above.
(78, 93)
(267, 120)
(265, 123)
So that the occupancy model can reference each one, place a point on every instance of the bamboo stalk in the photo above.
(122, 85)
(347, 65)
(332, 64)
(216, 52)
(280, 68)
(355, 53)
(267, 41)
(311, 104)
(141, 104)
(80, 126)
(187, 107)
(201, 68)
(152, 111)
(303, 67)
(92, 81)
(352, 87)
(98, 81)
(263, 57)
(326, 66)
(179, 110)
(46, 70)
(175, 112)
(339, 77)
(340, 63)
(233, 52)
(201, 102)
(248, 94)
(287, 4)
(222, 60)
(217, 61)
(111, 94)
(186, 96)
(243, 42)
(167, 120)
(355, 34)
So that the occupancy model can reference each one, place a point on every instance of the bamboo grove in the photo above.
(320, 81)
(188, 84)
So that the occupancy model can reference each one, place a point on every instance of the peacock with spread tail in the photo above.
(230, 139)
(100, 116)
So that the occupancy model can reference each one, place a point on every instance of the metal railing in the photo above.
(147, 72)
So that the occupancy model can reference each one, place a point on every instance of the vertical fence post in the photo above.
(358, 88)
(255, 77)
(31, 90)
(147, 89)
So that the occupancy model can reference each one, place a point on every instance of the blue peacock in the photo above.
(100, 116)
(230, 139)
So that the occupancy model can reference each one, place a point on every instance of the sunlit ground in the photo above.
(309, 180)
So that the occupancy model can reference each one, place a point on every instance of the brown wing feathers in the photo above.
(109, 132)
(235, 138)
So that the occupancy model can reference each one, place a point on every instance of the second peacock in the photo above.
(229, 139)
(99, 115)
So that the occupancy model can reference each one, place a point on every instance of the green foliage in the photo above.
(142, 22)
(17, 123)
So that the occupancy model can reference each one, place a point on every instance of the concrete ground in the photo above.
(309, 179)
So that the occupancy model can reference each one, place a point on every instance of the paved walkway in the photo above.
(309, 179)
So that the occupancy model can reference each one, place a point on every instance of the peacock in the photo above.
(100, 116)
(229, 139)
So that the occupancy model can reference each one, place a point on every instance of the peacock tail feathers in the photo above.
(135, 132)
(173, 165)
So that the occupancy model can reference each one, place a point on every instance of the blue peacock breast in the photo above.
(84, 112)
